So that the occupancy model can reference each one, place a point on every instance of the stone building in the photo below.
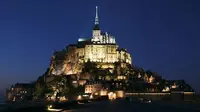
(20, 92)
(101, 48)
(92, 87)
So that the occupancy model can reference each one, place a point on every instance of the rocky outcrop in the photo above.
(64, 63)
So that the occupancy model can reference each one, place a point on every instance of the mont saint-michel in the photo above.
(101, 49)
(97, 68)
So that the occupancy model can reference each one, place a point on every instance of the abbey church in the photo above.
(100, 48)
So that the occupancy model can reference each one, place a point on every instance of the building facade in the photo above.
(102, 47)
(20, 92)
(92, 87)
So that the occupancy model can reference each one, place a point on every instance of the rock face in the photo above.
(64, 63)
(69, 61)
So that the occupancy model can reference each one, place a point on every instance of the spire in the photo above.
(96, 26)
(96, 18)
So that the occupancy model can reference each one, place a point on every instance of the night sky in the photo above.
(161, 35)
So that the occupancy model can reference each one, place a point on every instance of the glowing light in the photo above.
(103, 92)
(14, 99)
(121, 77)
(166, 89)
(50, 108)
(151, 79)
(189, 93)
(147, 93)
(55, 110)
(174, 86)
(114, 96)
(63, 98)
(74, 82)
(80, 103)
(91, 96)
(119, 94)
(81, 39)
(85, 95)
(79, 97)
(111, 96)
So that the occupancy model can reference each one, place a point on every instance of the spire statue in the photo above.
(96, 24)
(96, 17)
(96, 33)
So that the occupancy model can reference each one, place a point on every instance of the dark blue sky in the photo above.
(161, 35)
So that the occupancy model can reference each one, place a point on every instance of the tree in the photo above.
(149, 72)
(39, 92)
(117, 68)
(58, 86)
(89, 67)
(39, 87)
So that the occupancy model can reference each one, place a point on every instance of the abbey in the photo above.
(100, 48)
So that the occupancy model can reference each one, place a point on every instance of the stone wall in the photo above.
(186, 96)
(152, 96)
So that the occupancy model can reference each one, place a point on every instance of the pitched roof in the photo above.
(24, 85)
(96, 27)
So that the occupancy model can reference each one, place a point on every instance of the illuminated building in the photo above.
(20, 92)
(119, 94)
(92, 87)
(166, 89)
(174, 86)
(100, 48)
(103, 92)
(111, 95)
(121, 77)
(151, 79)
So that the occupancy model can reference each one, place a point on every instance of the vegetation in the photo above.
(58, 86)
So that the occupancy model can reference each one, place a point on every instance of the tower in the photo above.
(96, 33)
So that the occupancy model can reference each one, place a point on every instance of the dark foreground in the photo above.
(122, 106)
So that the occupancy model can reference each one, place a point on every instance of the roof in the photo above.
(177, 89)
(71, 45)
(96, 27)
(24, 85)
(93, 82)
(122, 49)
(82, 44)
(101, 43)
